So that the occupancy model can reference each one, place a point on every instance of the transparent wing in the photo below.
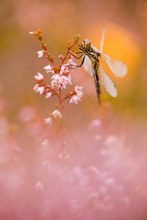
(102, 41)
(117, 67)
(107, 82)
(88, 65)
(94, 49)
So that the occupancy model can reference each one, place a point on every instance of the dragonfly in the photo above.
(92, 62)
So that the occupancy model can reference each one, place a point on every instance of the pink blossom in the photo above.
(78, 91)
(57, 114)
(41, 90)
(77, 97)
(64, 69)
(39, 76)
(35, 88)
(48, 121)
(60, 81)
(71, 62)
(38, 89)
(40, 53)
(49, 69)
(67, 66)
(48, 95)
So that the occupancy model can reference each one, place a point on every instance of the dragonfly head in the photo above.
(85, 45)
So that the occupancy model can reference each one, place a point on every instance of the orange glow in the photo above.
(119, 44)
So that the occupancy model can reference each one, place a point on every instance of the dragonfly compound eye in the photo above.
(86, 44)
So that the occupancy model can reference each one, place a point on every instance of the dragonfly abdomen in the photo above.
(96, 80)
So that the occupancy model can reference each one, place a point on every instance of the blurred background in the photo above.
(126, 35)
(97, 170)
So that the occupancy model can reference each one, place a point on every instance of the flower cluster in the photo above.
(60, 78)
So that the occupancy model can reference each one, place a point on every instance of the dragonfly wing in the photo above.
(117, 67)
(107, 82)
(102, 41)
(88, 65)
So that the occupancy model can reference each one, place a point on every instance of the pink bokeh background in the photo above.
(97, 170)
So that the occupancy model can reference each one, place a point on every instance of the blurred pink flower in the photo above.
(48, 95)
(78, 91)
(49, 69)
(39, 76)
(78, 95)
(57, 114)
(40, 53)
(38, 89)
(94, 124)
(27, 113)
(48, 121)
(39, 186)
(72, 63)
(75, 99)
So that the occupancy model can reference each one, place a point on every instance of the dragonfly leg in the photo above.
(81, 62)
(78, 52)
(75, 54)
(79, 56)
